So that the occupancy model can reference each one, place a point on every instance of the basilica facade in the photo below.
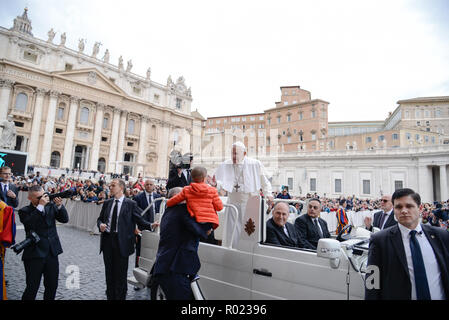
(75, 110)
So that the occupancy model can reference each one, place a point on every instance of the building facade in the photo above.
(73, 109)
(301, 149)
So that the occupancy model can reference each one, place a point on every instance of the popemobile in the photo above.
(254, 269)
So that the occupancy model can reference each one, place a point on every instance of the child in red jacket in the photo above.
(203, 201)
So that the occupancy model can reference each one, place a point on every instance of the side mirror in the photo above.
(329, 249)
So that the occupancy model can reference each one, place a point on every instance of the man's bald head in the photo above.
(149, 185)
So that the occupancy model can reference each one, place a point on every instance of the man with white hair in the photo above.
(242, 177)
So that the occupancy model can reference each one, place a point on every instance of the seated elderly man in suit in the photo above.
(310, 226)
(279, 231)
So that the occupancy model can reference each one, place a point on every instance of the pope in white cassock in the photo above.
(241, 177)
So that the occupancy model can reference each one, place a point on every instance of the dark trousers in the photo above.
(138, 245)
(176, 286)
(116, 268)
(34, 269)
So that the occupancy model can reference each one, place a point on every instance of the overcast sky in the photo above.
(361, 56)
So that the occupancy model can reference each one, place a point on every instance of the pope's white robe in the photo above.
(251, 179)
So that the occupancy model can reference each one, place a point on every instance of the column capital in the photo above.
(54, 93)
(125, 113)
(117, 110)
(74, 99)
(41, 92)
(6, 83)
(100, 106)
(145, 118)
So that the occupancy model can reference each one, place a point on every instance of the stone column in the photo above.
(49, 128)
(114, 140)
(121, 140)
(425, 183)
(5, 95)
(97, 137)
(70, 133)
(443, 183)
(142, 144)
(36, 126)
(164, 146)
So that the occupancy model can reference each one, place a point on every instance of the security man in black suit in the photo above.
(117, 223)
(41, 258)
(279, 231)
(310, 227)
(384, 218)
(412, 259)
(9, 192)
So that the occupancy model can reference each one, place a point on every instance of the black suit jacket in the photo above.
(8, 200)
(129, 216)
(142, 202)
(387, 251)
(307, 232)
(389, 223)
(44, 224)
(176, 181)
(276, 234)
(178, 244)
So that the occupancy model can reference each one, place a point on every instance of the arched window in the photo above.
(106, 121)
(131, 124)
(55, 159)
(84, 116)
(61, 109)
(21, 102)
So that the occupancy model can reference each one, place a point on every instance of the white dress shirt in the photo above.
(285, 231)
(430, 263)
(149, 197)
(3, 186)
(108, 228)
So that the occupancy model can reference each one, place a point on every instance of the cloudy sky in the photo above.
(361, 56)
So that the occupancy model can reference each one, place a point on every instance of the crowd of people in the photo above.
(435, 213)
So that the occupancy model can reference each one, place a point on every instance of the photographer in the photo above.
(41, 258)
(179, 175)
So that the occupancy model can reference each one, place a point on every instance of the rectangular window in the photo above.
(58, 130)
(398, 184)
(243, 119)
(19, 124)
(416, 137)
(105, 123)
(130, 144)
(313, 113)
(313, 136)
(368, 139)
(432, 139)
(156, 98)
(68, 67)
(300, 116)
(30, 56)
(395, 136)
(289, 118)
(366, 187)
(261, 118)
(408, 136)
(289, 139)
(312, 184)
(337, 185)
(381, 138)
(426, 139)
(217, 121)
(290, 183)
(104, 139)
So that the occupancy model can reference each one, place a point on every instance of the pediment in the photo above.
(91, 77)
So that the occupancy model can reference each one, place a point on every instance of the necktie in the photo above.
(114, 217)
(188, 176)
(382, 219)
(319, 230)
(5, 191)
(422, 286)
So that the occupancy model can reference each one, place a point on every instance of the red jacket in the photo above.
(203, 202)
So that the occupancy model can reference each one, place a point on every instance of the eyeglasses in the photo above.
(384, 200)
(314, 207)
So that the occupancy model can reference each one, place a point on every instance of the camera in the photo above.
(179, 161)
(64, 194)
(32, 238)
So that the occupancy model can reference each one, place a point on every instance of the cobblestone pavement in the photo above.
(80, 249)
